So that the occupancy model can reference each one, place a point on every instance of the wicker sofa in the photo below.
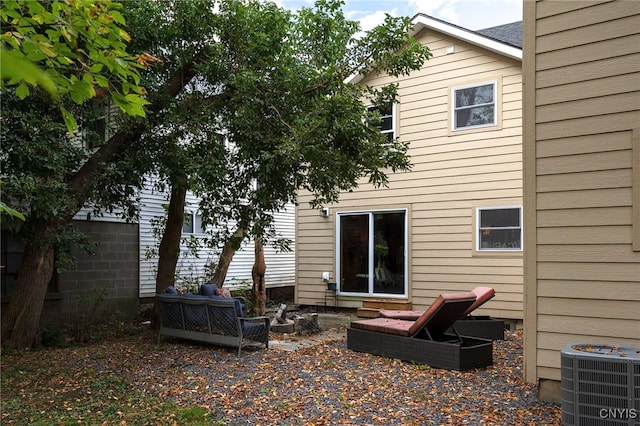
(210, 319)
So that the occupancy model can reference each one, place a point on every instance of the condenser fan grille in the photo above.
(600, 385)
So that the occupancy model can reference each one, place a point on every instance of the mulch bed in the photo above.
(326, 384)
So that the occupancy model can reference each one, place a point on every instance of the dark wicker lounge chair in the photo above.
(426, 339)
(469, 325)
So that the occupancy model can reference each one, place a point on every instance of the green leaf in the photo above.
(53, 34)
(22, 91)
(6, 209)
(101, 81)
(72, 126)
(14, 68)
(135, 99)
(77, 96)
(117, 17)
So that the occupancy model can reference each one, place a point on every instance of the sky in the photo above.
(470, 14)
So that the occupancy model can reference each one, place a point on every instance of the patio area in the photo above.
(300, 380)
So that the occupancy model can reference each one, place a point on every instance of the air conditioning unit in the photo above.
(600, 385)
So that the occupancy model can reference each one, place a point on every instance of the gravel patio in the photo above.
(311, 380)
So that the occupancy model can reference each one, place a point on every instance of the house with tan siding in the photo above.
(581, 180)
(455, 221)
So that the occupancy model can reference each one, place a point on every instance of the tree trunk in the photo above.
(259, 289)
(169, 249)
(228, 250)
(21, 319)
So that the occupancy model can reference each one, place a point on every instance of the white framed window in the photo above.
(193, 224)
(499, 228)
(372, 252)
(387, 124)
(474, 106)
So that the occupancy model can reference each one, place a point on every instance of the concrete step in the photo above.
(394, 304)
(367, 312)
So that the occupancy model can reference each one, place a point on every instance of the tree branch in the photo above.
(80, 183)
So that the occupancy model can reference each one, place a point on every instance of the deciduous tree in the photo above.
(269, 113)
(78, 47)
(276, 84)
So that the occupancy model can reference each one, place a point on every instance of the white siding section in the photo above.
(280, 266)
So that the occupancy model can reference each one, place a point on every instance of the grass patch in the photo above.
(133, 410)
(56, 397)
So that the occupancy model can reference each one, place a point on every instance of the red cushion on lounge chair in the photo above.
(483, 294)
(403, 315)
(443, 312)
(384, 325)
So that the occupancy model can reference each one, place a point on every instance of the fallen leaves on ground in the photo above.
(132, 380)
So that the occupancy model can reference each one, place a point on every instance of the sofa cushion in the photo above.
(171, 290)
(239, 308)
(208, 289)
(238, 305)
(254, 331)
(193, 296)
(195, 317)
(243, 308)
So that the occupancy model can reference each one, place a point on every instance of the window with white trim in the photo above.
(474, 106)
(193, 224)
(499, 228)
(386, 125)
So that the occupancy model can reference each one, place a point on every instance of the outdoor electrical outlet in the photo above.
(326, 276)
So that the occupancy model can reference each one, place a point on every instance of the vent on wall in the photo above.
(600, 385)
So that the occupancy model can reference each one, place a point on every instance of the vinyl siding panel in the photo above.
(586, 14)
(583, 276)
(588, 34)
(587, 71)
(593, 143)
(603, 49)
(452, 174)
(573, 91)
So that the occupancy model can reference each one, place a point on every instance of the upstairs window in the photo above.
(499, 229)
(386, 125)
(100, 119)
(474, 106)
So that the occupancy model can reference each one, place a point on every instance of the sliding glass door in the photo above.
(372, 252)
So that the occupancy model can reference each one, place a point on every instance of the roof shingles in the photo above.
(508, 33)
